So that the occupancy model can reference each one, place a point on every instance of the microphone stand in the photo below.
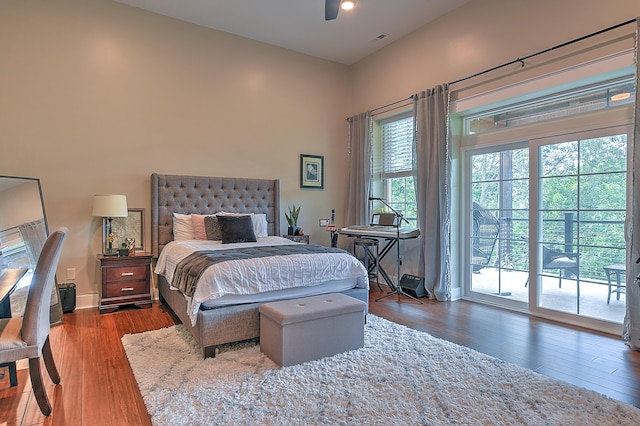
(398, 289)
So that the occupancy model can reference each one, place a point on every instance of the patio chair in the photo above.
(485, 234)
(564, 262)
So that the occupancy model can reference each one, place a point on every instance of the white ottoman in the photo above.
(300, 330)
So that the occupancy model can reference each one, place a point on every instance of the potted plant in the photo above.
(292, 220)
(123, 250)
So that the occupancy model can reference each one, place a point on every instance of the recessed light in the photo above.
(348, 4)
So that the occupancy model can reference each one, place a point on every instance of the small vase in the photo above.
(293, 230)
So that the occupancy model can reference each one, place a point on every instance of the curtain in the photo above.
(631, 329)
(432, 181)
(34, 234)
(359, 178)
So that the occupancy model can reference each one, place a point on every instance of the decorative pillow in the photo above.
(236, 229)
(198, 226)
(212, 228)
(259, 222)
(182, 227)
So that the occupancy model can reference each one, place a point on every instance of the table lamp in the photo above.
(109, 206)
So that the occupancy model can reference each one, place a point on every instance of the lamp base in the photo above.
(110, 253)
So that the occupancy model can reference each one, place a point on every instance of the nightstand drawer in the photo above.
(126, 273)
(126, 289)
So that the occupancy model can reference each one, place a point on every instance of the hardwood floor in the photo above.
(98, 387)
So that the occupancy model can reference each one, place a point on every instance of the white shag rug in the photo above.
(400, 377)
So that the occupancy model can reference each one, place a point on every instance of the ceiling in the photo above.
(299, 25)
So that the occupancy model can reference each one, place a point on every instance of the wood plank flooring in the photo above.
(98, 387)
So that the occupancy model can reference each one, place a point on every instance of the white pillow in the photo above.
(182, 227)
(259, 222)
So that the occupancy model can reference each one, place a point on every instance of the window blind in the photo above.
(397, 148)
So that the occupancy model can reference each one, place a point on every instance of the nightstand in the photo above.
(298, 238)
(126, 280)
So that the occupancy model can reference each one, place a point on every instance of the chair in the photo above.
(485, 234)
(552, 258)
(28, 337)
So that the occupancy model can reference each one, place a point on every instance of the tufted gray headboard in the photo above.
(208, 195)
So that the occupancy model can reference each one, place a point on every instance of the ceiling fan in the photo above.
(331, 8)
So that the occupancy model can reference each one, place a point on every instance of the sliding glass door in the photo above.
(498, 210)
(581, 211)
(565, 256)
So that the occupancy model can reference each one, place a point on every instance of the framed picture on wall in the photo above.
(311, 171)
(131, 226)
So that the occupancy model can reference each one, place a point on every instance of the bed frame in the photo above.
(208, 195)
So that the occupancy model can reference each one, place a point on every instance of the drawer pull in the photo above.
(126, 274)
(126, 289)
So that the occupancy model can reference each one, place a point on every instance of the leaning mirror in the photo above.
(23, 231)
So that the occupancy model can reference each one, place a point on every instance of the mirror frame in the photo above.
(56, 307)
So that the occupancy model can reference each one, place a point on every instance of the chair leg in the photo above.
(47, 355)
(38, 386)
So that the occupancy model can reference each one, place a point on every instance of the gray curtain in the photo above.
(631, 330)
(433, 188)
(359, 178)
(34, 235)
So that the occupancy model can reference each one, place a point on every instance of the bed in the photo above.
(210, 323)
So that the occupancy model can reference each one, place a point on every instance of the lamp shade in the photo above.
(110, 206)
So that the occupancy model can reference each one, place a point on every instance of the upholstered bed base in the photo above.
(218, 326)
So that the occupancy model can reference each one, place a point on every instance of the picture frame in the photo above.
(131, 226)
(311, 171)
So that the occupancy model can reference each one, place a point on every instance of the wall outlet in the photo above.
(71, 273)
(323, 222)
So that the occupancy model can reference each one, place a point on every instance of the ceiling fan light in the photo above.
(347, 4)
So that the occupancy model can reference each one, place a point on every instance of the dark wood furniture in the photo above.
(298, 238)
(126, 280)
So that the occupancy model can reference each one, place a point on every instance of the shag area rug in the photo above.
(400, 377)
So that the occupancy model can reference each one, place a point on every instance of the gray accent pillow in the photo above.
(212, 228)
(236, 229)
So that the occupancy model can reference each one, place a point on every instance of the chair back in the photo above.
(35, 323)
(486, 228)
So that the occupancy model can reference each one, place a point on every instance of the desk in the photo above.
(8, 283)
(617, 270)
(390, 234)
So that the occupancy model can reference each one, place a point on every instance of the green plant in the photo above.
(292, 216)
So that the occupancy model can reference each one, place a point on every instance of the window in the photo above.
(592, 97)
(396, 165)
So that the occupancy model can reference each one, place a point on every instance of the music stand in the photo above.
(398, 222)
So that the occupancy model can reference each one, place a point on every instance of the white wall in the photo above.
(96, 95)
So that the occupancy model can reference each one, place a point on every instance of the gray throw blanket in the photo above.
(190, 268)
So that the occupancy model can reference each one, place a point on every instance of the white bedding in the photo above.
(259, 275)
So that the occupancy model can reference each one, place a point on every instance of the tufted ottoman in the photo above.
(299, 330)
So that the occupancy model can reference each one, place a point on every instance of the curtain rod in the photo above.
(521, 60)
(392, 103)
